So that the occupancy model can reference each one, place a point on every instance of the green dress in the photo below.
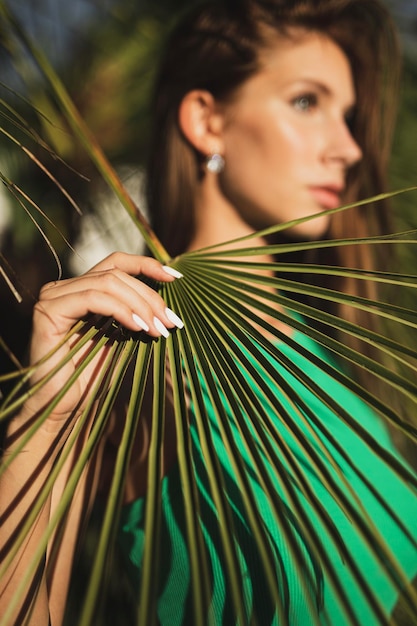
(307, 594)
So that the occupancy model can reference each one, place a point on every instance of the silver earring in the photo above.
(215, 163)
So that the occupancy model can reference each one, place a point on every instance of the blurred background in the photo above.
(105, 52)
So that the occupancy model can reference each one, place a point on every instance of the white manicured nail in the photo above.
(173, 317)
(172, 272)
(160, 327)
(140, 322)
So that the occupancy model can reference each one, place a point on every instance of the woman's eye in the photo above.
(305, 102)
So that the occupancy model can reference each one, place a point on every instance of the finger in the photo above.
(109, 294)
(125, 267)
(136, 265)
(147, 306)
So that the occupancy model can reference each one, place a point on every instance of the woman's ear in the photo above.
(201, 121)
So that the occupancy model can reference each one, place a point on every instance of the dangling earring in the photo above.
(215, 163)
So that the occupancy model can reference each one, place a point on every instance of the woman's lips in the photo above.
(326, 197)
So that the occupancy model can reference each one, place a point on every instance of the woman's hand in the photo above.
(110, 289)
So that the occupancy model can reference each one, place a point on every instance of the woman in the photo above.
(265, 111)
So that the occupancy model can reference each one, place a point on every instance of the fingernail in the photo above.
(160, 327)
(173, 317)
(140, 322)
(172, 272)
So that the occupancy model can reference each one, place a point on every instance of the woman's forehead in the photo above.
(307, 56)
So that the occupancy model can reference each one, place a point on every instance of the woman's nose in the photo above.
(342, 146)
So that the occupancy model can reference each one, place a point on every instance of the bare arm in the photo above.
(109, 289)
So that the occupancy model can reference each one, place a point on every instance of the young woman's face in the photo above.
(286, 136)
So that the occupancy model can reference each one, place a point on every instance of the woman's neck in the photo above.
(218, 221)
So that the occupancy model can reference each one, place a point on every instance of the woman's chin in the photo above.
(313, 229)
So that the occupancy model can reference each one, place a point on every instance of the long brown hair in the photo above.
(217, 47)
